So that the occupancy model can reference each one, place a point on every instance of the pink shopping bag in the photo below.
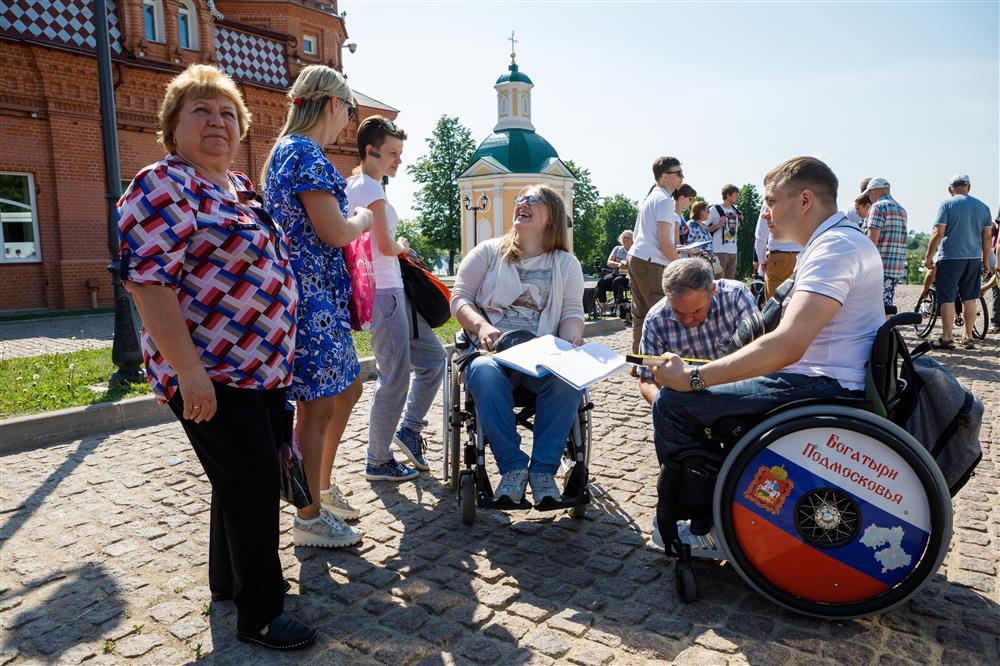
(358, 255)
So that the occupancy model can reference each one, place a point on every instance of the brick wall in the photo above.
(61, 147)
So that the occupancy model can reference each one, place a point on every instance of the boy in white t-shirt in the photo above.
(723, 223)
(819, 348)
(401, 338)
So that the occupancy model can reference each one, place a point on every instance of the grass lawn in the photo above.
(55, 381)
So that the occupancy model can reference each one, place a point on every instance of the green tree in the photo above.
(916, 250)
(748, 204)
(618, 214)
(449, 149)
(588, 233)
(419, 242)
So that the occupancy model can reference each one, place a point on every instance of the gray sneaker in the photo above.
(512, 485)
(327, 532)
(334, 501)
(542, 486)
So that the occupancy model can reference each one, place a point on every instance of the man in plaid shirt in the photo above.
(697, 318)
(886, 227)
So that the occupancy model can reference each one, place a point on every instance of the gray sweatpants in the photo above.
(396, 352)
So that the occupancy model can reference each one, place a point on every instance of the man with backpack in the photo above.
(723, 222)
(820, 347)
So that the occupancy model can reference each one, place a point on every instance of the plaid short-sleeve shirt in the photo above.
(889, 218)
(228, 265)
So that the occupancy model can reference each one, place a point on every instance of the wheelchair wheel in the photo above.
(928, 308)
(454, 428)
(687, 586)
(982, 323)
(467, 499)
(832, 512)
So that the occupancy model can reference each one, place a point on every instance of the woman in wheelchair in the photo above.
(527, 280)
(617, 280)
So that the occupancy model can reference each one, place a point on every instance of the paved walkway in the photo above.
(57, 335)
(104, 548)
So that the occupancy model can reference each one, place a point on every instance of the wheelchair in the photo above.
(465, 464)
(929, 308)
(622, 306)
(828, 508)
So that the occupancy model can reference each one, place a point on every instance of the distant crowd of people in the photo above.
(244, 296)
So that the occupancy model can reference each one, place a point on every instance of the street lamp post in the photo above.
(125, 352)
(484, 201)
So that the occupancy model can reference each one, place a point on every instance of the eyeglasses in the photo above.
(387, 125)
(351, 108)
(531, 200)
(678, 172)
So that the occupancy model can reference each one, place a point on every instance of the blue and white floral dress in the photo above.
(325, 360)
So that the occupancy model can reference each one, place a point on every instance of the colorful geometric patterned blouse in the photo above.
(228, 265)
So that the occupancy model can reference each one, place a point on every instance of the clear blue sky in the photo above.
(908, 91)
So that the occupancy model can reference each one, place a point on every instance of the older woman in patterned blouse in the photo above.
(211, 278)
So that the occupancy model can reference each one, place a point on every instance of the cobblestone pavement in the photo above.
(104, 549)
(58, 335)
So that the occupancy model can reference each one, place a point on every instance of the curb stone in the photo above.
(36, 431)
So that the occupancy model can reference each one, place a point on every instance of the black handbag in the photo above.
(294, 485)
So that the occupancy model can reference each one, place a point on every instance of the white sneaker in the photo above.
(328, 531)
(334, 501)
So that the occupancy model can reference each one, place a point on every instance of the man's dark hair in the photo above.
(806, 173)
(864, 183)
(684, 190)
(729, 189)
(663, 165)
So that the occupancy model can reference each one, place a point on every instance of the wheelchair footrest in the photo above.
(549, 504)
(505, 503)
(704, 546)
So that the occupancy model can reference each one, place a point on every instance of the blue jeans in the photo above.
(492, 388)
(679, 419)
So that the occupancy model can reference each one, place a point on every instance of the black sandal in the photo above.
(941, 343)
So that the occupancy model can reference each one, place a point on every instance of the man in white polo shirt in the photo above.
(655, 242)
(822, 343)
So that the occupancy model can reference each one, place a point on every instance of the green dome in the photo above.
(519, 150)
(514, 76)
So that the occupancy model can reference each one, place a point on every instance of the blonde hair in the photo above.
(307, 97)
(197, 82)
(555, 233)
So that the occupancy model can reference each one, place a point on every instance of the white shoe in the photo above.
(334, 501)
(328, 531)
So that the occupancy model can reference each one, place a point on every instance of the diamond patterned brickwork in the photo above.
(251, 57)
(64, 22)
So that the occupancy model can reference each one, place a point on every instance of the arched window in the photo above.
(152, 20)
(187, 25)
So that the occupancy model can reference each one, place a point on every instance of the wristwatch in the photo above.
(696, 383)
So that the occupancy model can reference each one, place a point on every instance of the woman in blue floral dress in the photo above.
(305, 195)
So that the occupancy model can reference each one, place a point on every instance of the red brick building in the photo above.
(54, 228)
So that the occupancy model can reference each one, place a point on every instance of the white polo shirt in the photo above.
(656, 208)
(840, 262)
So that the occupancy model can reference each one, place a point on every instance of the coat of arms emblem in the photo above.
(769, 488)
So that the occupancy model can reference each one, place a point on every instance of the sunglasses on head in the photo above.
(530, 199)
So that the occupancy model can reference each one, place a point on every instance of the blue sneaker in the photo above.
(390, 471)
(413, 447)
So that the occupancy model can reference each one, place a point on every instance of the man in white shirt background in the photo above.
(655, 242)
(723, 222)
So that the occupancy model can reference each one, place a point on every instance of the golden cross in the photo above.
(512, 42)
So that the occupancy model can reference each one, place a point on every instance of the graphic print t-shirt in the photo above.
(536, 280)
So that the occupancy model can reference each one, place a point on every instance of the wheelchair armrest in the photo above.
(462, 340)
(903, 319)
